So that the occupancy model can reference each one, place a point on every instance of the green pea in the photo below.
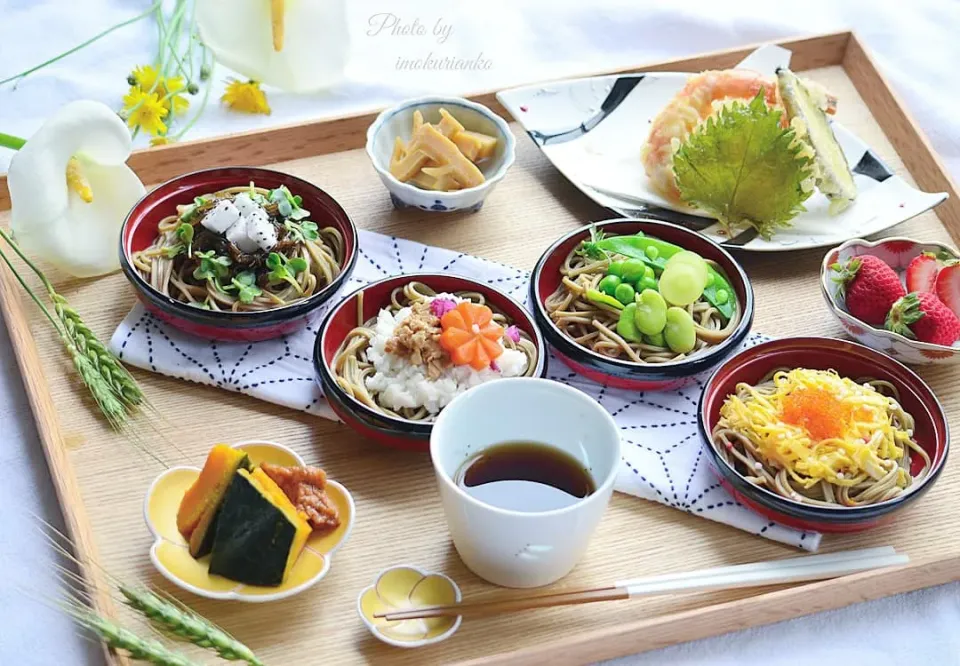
(647, 283)
(655, 340)
(615, 268)
(633, 270)
(648, 272)
(710, 279)
(609, 284)
(722, 296)
(652, 252)
(627, 327)
(679, 332)
(624, 293)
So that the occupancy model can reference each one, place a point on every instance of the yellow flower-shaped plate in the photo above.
(405, 587)
(171, 557)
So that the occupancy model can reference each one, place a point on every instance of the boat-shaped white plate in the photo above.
(593, 129)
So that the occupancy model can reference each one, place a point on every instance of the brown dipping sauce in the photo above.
(525, 476)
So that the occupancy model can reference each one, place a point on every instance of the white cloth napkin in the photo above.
(663, 460)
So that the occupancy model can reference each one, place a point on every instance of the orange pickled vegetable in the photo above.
(470, 336)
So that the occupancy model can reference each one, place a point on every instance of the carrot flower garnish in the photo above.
(470, 336)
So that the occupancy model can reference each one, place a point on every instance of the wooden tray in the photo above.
(101, 478)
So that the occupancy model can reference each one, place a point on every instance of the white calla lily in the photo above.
(70, 189)
(295, 45)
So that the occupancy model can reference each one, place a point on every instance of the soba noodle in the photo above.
(352, 368)
(594, 325)
(740, 447)
(174, 276)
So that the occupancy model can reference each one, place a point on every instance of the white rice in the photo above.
(402, 384)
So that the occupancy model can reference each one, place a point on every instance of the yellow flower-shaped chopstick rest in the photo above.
(70, 189)
(171, 557)
(405, 587)
(295, 45)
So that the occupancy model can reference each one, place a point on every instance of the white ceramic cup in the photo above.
(513, 548)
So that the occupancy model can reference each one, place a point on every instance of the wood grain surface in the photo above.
(399, 517)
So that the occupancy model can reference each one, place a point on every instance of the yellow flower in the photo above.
(160, 141)
(145, 111)
(246, 97)
(173, 86)
(146, 77)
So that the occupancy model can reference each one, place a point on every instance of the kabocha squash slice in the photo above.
(200, 502)
(259, 533)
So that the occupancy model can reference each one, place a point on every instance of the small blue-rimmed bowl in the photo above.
(398, 121)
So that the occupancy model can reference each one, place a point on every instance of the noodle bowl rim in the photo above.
(229, 317)
(371, 417)
(839, 514)
(700, 361)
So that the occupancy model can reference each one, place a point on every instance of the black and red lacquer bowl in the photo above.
(140, 230)
(849, 359)
(388, 430)
(627, 374)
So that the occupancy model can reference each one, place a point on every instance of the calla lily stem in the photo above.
(11, 142)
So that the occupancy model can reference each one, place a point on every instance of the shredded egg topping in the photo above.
(820, 426)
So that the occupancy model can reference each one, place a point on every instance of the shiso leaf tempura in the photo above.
(748, 149)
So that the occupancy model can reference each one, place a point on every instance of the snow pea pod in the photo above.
(635, 247)
(595, 296)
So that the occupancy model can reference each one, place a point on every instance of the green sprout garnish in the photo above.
(288, 204)
(246, 285)
(212, 266)
(192, 210)
(302, 231)
(284, 269)
(590, 248)
(184, 233)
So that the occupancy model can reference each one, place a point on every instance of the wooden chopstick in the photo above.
(777, 572)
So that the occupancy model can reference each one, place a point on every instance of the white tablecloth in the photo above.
(915, 43)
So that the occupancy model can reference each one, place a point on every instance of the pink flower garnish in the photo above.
(513, 333)
(494, 366)
(441, 306)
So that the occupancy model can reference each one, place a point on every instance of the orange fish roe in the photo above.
(817, 411)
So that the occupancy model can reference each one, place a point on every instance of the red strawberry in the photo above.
(922, 272)
(948, 287)
(869, 287)
(923, 317)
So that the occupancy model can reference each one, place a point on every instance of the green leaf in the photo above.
(288, 204)
(285, 270)
(742, 167)
(297, 264)
(246, 284)
(185, 233)
(302, 231)
(212, 266)
(191, 210)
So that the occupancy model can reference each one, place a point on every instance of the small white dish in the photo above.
(170, 554)
(523, 548)
(404, 587)
(897, 253)
(398, 121)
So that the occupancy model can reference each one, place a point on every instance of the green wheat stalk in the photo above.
(112, 387)
(165, 613)
(185, 624)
